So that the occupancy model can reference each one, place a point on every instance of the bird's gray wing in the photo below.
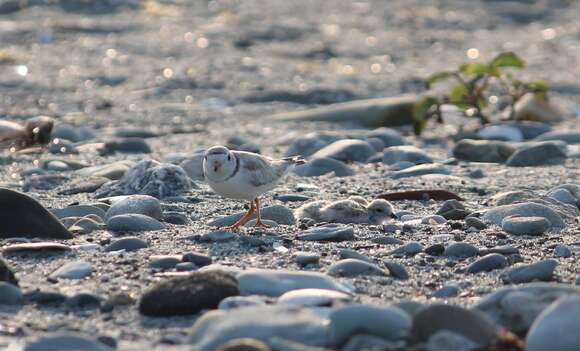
(259, 170)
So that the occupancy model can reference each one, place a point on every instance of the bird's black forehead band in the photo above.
(218, 152)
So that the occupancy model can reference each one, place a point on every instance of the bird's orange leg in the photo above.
(259, 222)
(244, 218)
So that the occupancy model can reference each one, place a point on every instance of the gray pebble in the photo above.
(306, 258)
(78, 211)
(133, 222)
(563, 195)
(420, 170)
(411, 248)
(525, 225)
(542, 271)
(140, 204)
(351, 267)
(347, 150)
(397, 270)
(562, 251)
(446, 291)
(408, 153)
(524, 209)
(433, 219)
(185, 267)
(556, 328)
(73, 270)
(488, 263)
(324, 165)
(164, 261)
(392, 228)
(461, 250)
(349, 253)
(10, 294)
(329, 232)
(218, 236)
(539, 154)
(390, 322)
(292, 198)
(128, 244)
(66, 343)
(197, 259)
(475, 223)
(276, 283)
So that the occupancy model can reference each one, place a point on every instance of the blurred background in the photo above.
(192, 64)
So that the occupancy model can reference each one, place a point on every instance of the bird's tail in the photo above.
(297, 160)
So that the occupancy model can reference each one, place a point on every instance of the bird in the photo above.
(35, 131)
(246, 176)
(352, 210)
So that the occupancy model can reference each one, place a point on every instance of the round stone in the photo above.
(525, 225)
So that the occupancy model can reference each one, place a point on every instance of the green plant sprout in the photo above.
(471, 91)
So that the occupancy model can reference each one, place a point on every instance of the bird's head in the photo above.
(380, 210)
(219, 163)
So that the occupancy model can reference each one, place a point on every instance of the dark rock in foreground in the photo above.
(23, 216)
(188, 295)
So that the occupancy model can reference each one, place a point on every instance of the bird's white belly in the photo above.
(237, 190)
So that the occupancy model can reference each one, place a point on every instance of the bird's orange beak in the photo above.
(216, 166)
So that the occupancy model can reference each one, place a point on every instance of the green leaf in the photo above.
(458, 95)
(437, 77)
(475, 68)
(507, 59)
(421, 112)
(538, 86)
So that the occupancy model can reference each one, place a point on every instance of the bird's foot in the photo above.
(260, 224)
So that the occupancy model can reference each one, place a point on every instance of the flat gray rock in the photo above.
(347, 150)
(330, 232)
(488, 263)
(474, 325)
(387, 322)
(127, 243)
(516, 307)
(133, 222)
(313, 297)
(352, 267)
(526, 273)
(288, 322)
(525, 225)
(277, 213)
(545, 153)
(66, 343)
(525, 209)
(556, 328)
(407, 153)
(572, 137)
(10, 294)
(483, 151)
(276, 283)
(461, 250)
(140, 204)
(78, 211)
(324, 165)
(420, 170)
(73, 270)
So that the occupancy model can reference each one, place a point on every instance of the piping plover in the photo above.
(352, 210)
(35, 131)
(244, 176)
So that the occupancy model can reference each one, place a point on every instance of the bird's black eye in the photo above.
(229, 157)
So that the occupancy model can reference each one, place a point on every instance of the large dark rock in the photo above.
(6, 273)
(23, 216)
(189, 294)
